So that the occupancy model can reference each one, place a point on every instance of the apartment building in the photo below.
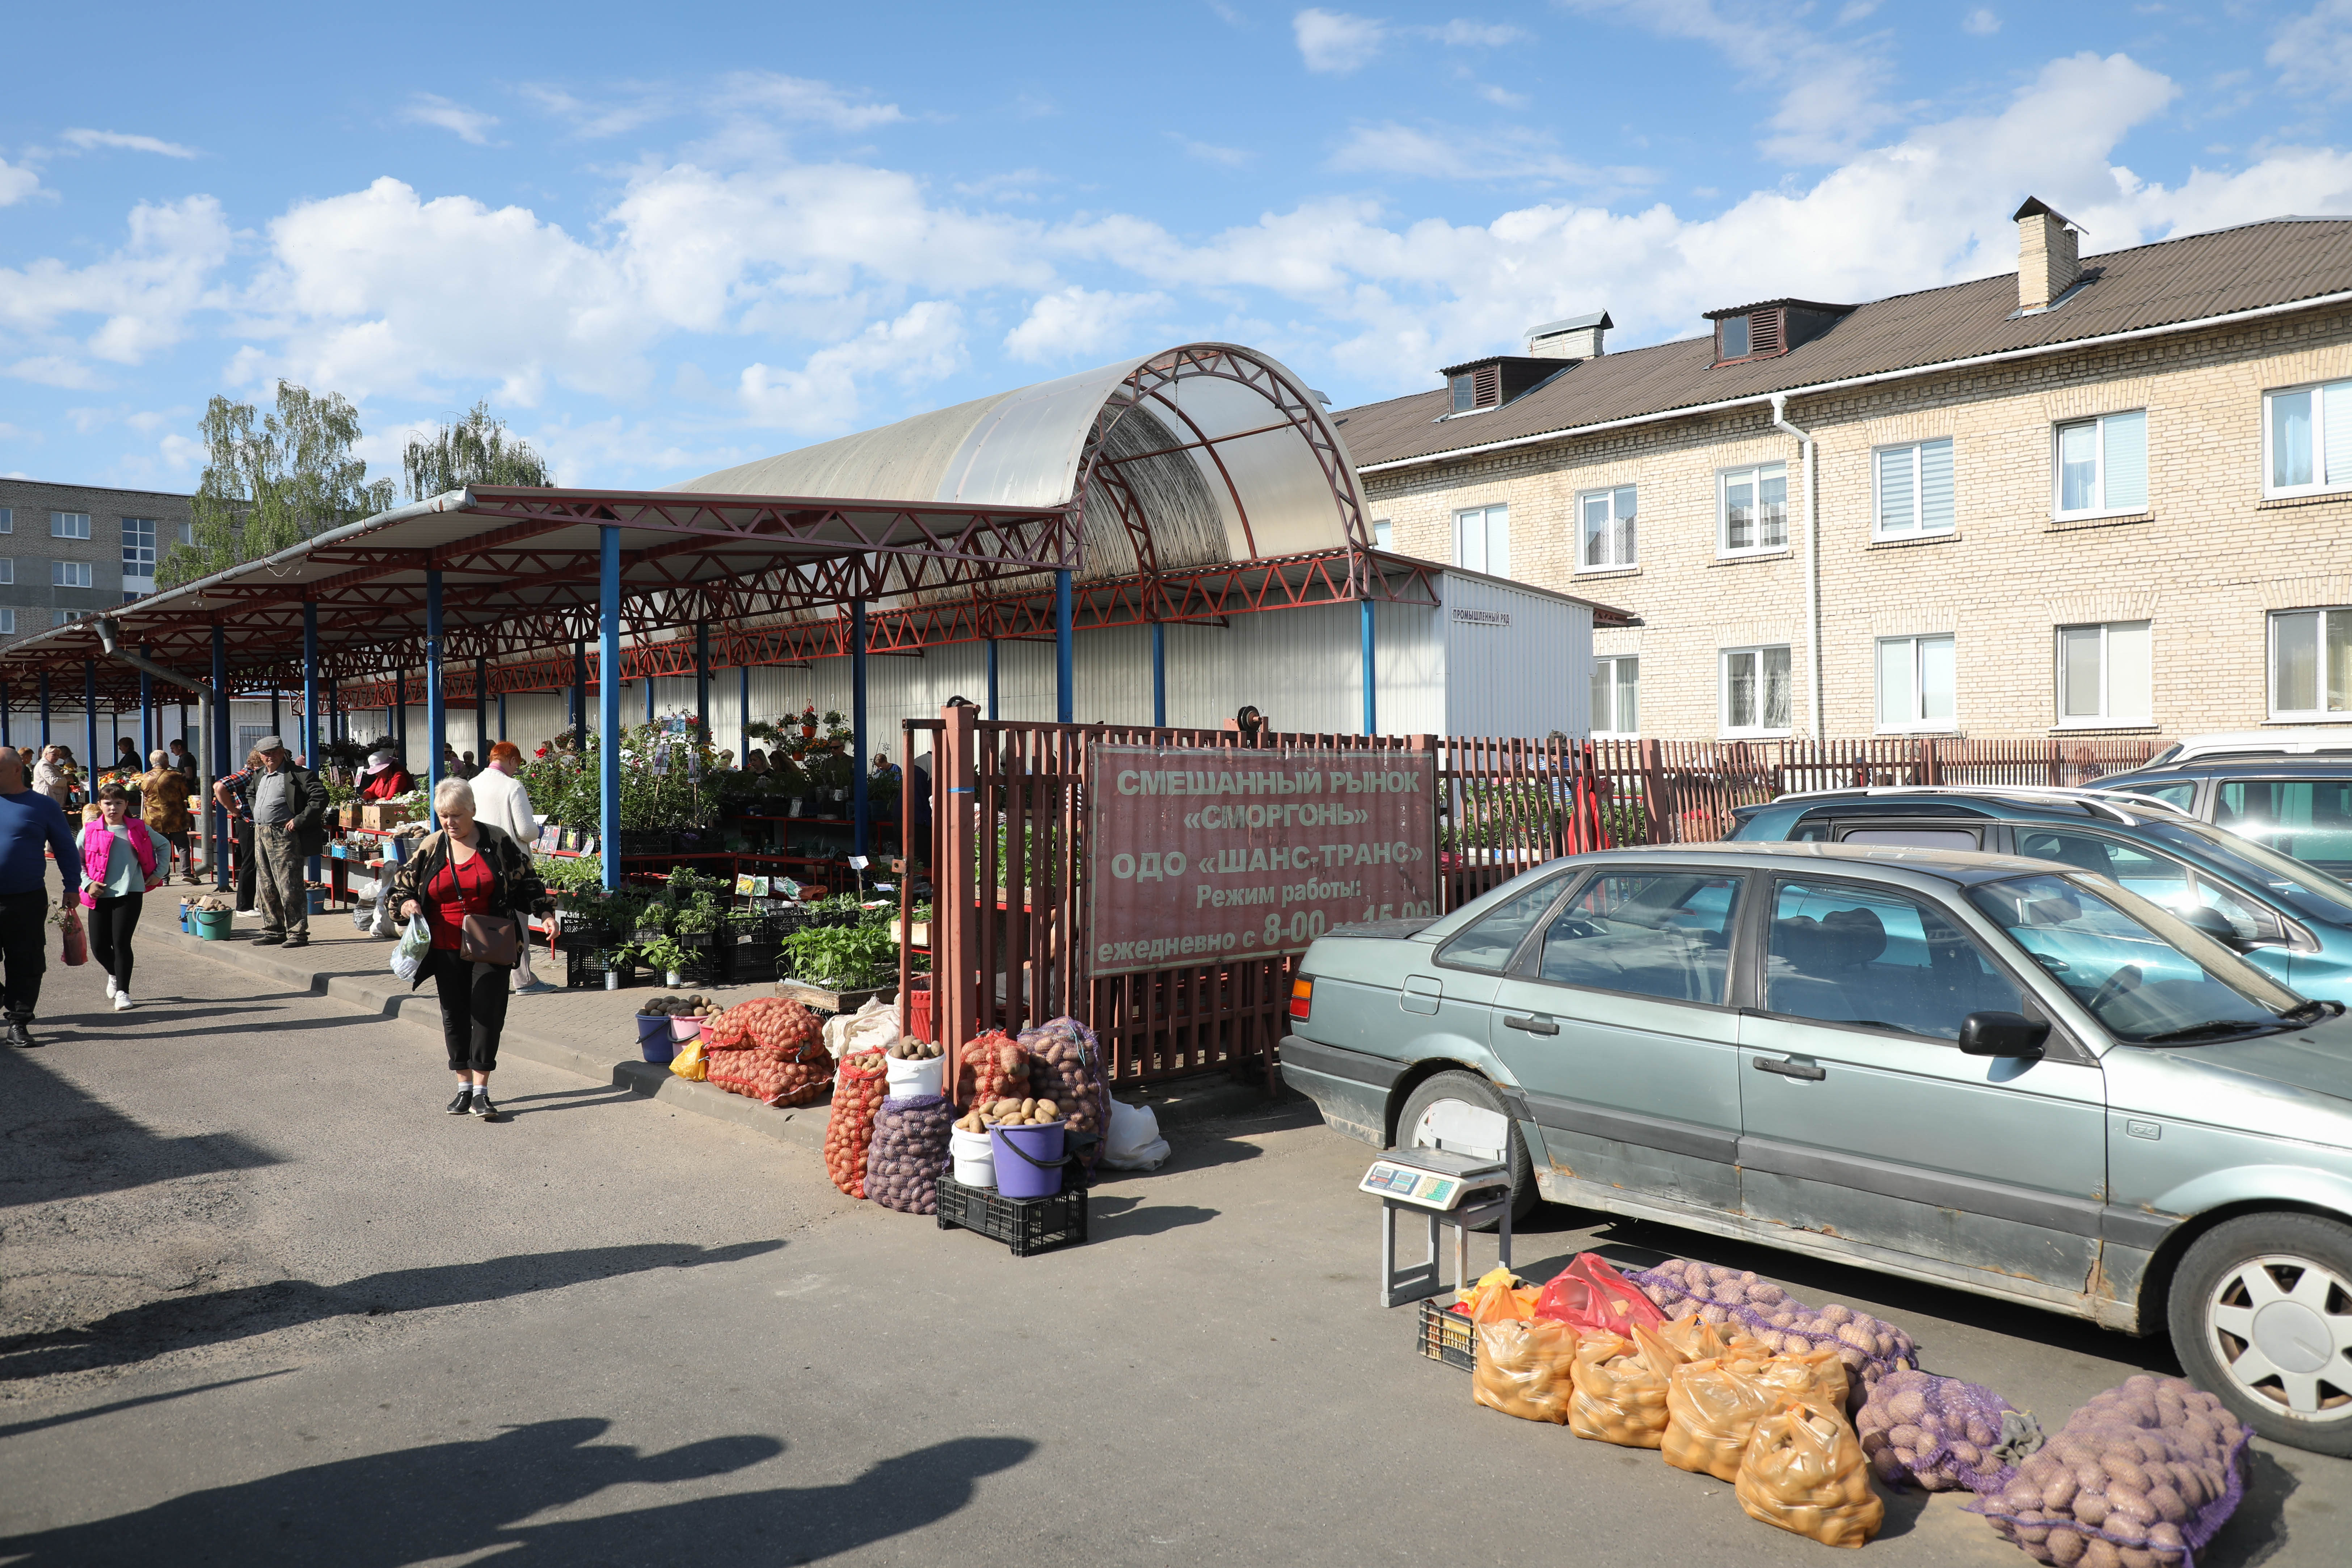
(2106, 494)
(67, 550)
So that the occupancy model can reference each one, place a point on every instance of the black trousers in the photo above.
(24, 949)
(247, 860)
(473, 1010)
(110, 925)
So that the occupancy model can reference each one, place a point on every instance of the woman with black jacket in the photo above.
(467, 868)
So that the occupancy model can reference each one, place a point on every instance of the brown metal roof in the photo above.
(2247, 268)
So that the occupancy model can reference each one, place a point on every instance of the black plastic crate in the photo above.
(1025, 1225)
(1445, 1336)
(586, 970)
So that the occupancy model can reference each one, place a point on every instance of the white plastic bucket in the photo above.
(913, 1080)
(974, 1156)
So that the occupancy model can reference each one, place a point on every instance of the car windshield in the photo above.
(2148, 978)
(2304, 888)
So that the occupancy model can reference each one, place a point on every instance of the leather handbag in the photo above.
(490, 939)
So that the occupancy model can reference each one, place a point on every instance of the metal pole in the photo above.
(276, 714)
(858, 812)
(608, 690)
(482, 710)
(146, 713)
(311, 749)
(502, 715)
(992, 680)
(1371, 672)
(45, 707)
(399, 714)
(1159, 675)
(649, 696)
(90, 728)
(3, 719)
(743, 716)
(437, 695)
(702, 678)
(1066, 674)
(579, 695)
(216, 743)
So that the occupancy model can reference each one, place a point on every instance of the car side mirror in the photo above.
(2003, 1035)
(2215, 924)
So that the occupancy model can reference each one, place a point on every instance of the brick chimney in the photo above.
(2047, 264)
(1579, 337)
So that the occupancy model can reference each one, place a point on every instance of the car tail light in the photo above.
(1302, 996)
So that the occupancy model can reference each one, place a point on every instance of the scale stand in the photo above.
(1461, 1191)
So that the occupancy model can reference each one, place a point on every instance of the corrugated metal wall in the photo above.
(1525, 678)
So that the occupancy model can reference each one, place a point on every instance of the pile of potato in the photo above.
(990, 1067)
(2143, 1474)
(694, 1006)
(761, 1075)
(1065, 1062)
(1620, 1388)
(909, 1154)
(1869, 1347)
(857, 1094)
(1802, 1471)
(768, 1049)
(1940, 1433)
(915, 1051)
(1011, 1113)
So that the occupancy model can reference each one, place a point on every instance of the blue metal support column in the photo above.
(399, 717)
(147, 715)
(45, 707)
(313, 753)
(1371, 672)
(702, 678)
(608, 693)
(858, 817)
(3, 721)
(335, 713)
(991, 692)
(743, 715)
(276, 713)
(649, 698)
(580, 696)
(217, 743)
(437, 701)
(502, 715)
(1159, 675)
(482, 710)
(1066, 673)
(92, 761)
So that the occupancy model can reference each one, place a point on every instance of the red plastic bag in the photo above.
(77, 940)
(1592, 1297)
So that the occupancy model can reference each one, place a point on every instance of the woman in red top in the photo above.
(468, 867)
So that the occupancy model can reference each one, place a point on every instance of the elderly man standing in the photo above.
(289, 825)
(501, 800)
(30, 822)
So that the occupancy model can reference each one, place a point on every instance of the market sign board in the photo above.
(1197, 854)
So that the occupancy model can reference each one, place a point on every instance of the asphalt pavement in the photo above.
(261, 1301)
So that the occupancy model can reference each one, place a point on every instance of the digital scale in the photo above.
(1462, 1191)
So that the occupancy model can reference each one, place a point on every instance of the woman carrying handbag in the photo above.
(467, 879)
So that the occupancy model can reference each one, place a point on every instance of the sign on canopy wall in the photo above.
(1198, 853)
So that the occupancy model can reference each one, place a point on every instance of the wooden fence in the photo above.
(1009, 857)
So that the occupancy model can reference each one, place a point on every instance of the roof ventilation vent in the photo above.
(1579, 337)
(2048, 260)
(1770, 328)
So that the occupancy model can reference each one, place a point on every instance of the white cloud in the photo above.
(612, 112)
(925, 344)
(145, 291)
(798, 98)
(432, 108)
(87, 140)
(1982, 22)
(2312, 52)
(1454, 155)
(1210, 153)
(1502, 96)
(180, 454)
(1464, 34)
(1336, 42)
(16, 182)
(1074, 320)
(56, 369)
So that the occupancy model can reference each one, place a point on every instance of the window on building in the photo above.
(1481, 540)
(1914, 487)
(69, 525)
(69, 574)
(2104, 676)
(185, 532)
(1756, 690)
(1608, 522)
(1465, 388)
(7, 569)
(7, 622)
(1915, 683)
(2311, 664)
(1384, 535)
(2308, 430)
(1617, 695)
(1735, 338)
(2102, 466)
(63, 618)
(1754, 504)
(139, 546)
(7, 519)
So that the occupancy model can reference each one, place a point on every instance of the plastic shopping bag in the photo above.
(414, 943)
(77, 940)
(1621, 1389)
(1590, 1296)
(688, 1063)
(1526, 1368)
(1803, 1470)
(1135, 1142)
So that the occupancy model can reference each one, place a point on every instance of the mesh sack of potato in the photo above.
(759, 1074)
(1009, 1112)
(769, 1048)
(990, 1067)
(858, 1087)
(1803, 1471)
(1869, 1347)
(1621, 1389)
(909, 1154)
(1940, 1433)
(1066, 1065)
(1525, 1367)
(2141, 1476)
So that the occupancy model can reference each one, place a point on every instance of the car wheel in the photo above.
(2260, 1313)
(1439, 1100)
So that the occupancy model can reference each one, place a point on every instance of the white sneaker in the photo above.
(110, 990)
(123, 1002)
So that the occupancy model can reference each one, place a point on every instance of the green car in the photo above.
(2010, 1076)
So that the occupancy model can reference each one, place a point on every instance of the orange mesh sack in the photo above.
(991, 1066)
(858, 1089)
(1804, 1471)
(770, 1048)
(1621, 1389)
(1526, 1367)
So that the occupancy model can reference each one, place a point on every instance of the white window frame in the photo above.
(2321, 486)
(8, 570)
(1724, 549)
(2323, 714)
(63, 575)
(2098, 423)
(1918, 529)
(2108, 717)
(7, 621)
(1383, 534)
(1625, 528)
(1611, 661)
(69, 525)
(1486, 541)
(185, 532)
(7, 519)
(1918, 722)
(1724, 725)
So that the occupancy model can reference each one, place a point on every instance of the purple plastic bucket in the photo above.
(654, 1039)
(1029, 1160)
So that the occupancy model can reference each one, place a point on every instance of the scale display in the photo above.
(1439, 1191)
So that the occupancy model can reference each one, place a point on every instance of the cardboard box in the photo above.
(382, 813)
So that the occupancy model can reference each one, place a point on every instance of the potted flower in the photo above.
(665, 954)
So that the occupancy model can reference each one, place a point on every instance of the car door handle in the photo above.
(1811, 1072)
(1532, 1026)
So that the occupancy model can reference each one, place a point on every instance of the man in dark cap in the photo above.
(289, 825)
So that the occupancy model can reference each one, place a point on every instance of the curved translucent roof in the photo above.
(1200, 454)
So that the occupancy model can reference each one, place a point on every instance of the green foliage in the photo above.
(273, 480)
(843, 958)
(474, 450)
(569, 873)
(663, 952)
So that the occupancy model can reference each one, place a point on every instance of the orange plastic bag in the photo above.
(1712, 1405)
(1590, 1296)
(1698, 1340)
(1526, 1367)
(1621, 1389)
(1818, 1377)
(1497, 1297)
(688, 1063)
(1803, 1470)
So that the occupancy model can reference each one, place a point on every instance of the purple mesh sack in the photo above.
(909, 1154)
(2141, 1476)
(1869, 1347)
(1939, 1433)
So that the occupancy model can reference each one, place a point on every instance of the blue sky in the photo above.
(661, 240)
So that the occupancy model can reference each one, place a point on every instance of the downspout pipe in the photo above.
(1812, 569)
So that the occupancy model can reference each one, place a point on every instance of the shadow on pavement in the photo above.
(58, 1141)
(1110, 1218)
(66, 1418)
(140, 1333)
(448, 1500)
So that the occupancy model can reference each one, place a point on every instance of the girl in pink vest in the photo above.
(118, 866)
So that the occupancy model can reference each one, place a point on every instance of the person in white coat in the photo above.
(501, 800)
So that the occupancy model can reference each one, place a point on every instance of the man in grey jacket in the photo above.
(290, 826)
